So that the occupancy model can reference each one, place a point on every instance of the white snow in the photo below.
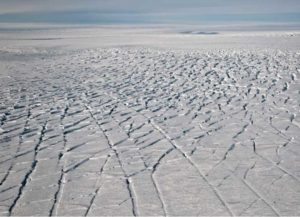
(132, 121)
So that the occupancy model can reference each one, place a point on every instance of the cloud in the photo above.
(148, 9)
(232, 6)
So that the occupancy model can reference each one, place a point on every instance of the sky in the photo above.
(149, 11)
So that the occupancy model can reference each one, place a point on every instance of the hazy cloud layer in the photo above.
(150, 10)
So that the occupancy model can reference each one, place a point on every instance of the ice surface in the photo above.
(134, 122)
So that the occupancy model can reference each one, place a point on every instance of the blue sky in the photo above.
(150, 11)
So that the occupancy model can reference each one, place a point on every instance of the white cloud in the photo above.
(230, 6)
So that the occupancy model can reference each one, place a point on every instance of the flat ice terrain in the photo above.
(129, 122)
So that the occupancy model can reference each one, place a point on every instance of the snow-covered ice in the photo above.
(143, 122)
